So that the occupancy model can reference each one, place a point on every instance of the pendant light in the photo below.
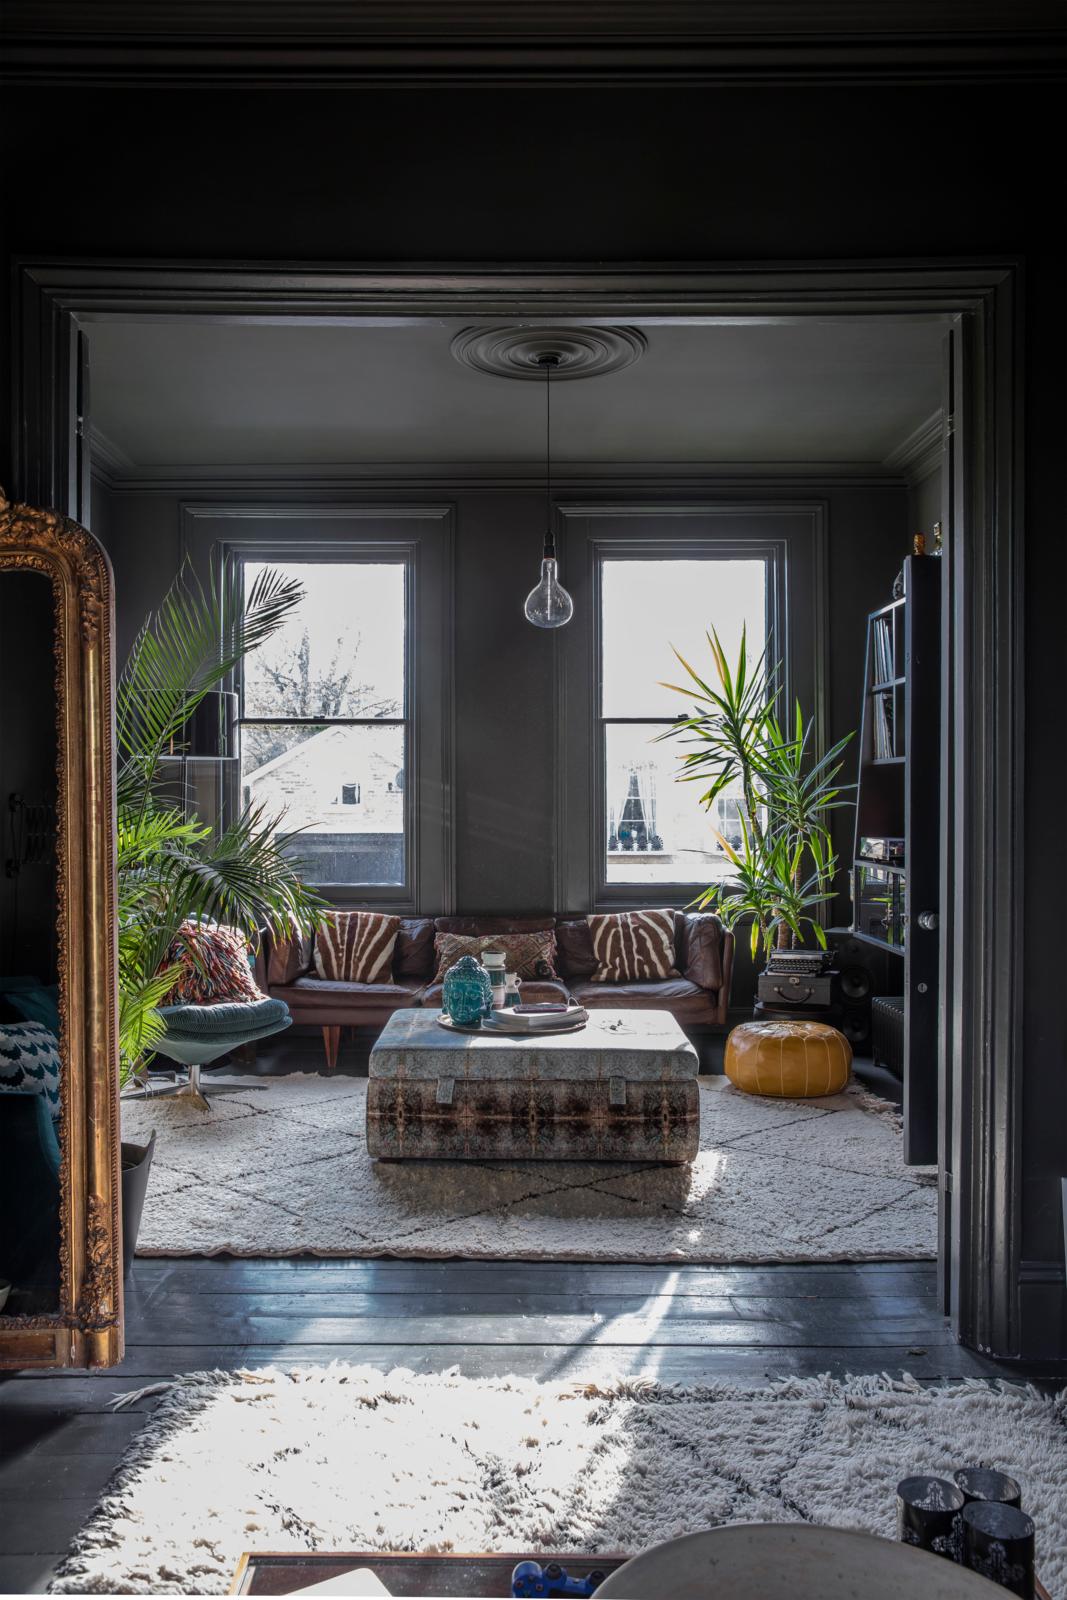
(549, 605)
(533, 355)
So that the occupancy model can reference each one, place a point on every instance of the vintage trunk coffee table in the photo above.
(623, 1088)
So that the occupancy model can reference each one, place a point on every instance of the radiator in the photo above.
(887, 1032)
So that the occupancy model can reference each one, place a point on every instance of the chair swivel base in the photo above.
(191, 1088)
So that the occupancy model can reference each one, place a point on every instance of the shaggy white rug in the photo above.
(347, 1458)
(286, 1171)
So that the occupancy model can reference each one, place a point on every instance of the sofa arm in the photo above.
(727, 975)
(704, 950)
(281, 961)
(709, 957)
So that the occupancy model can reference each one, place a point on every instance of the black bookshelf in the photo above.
(895, 867)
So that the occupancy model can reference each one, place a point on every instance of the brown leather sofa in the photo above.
(698, 997)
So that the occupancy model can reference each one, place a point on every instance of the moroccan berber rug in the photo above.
(286, 1171)
(346, 1458)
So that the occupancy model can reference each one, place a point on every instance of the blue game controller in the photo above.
(531, 1578)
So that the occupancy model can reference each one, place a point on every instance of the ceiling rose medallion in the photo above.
(511, 352)
(548, 355)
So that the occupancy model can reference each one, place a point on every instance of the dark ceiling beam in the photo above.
(529, 19)
(624, 41)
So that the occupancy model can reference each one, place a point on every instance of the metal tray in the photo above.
(517, 1032)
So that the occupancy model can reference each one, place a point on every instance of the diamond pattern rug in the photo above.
(286, 1172)
(347, 1458)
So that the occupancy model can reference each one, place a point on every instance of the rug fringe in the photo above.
(130, 1397)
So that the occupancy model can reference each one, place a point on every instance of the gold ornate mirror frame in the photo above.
(86, 1330)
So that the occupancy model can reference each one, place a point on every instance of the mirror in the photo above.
(30, 1067)
(60, 1234)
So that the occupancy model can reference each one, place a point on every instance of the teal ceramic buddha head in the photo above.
(467, 994)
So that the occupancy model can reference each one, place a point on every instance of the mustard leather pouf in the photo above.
(790, 1060)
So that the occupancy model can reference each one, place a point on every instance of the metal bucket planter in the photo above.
(136, 1166)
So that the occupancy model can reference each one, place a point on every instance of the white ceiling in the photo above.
(211, 394)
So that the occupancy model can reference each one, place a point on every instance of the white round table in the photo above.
(790, 1561)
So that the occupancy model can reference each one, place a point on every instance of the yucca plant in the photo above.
(172, 867)
(784, 867)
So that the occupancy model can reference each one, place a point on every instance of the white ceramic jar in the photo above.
(495, 962)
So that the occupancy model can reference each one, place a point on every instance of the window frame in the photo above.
(790, 534)
(348, 553)
(212, 531)
(768, 553)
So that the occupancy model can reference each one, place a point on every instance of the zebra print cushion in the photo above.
(633, 946)
(356, 946)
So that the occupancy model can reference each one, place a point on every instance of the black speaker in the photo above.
(855, 983)
(861, 971)
(880, 965)
(855, 1024)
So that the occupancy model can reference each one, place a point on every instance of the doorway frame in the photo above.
(982, 674)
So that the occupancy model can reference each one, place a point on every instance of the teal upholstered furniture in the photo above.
(30, 1000)
(29, 1195)
(198, 1035)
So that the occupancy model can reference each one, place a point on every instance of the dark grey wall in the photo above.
(594, 174)
(506, 766)
(924, 505)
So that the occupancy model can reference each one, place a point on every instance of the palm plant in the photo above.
(784, 866)
(171, 867)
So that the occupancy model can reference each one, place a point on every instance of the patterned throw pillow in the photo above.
(530, 955)
(214, 966)
(29, 1060)
(633, 946)
(356, 946)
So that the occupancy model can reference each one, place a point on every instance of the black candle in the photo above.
(998, 1542)
(983, 1483)
(928, 1512)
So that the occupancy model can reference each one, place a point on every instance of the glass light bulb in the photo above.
(549, 605)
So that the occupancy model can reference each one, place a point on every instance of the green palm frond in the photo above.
(170, 867)
(734, 743)
(187, 648)
(140, 1024)
(247, 878)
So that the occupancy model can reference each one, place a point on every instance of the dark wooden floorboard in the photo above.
(60, 1439)
(212, 1319)
(25, 1574)
(327, 1275)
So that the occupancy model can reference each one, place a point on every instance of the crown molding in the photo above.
(920, 453)
(109, 460)
(699, 41)
(434, 477)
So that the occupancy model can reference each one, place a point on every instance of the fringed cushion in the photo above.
(633, 946)
(214, 966)
(356, 946)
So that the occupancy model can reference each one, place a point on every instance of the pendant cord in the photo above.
(550, 542)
